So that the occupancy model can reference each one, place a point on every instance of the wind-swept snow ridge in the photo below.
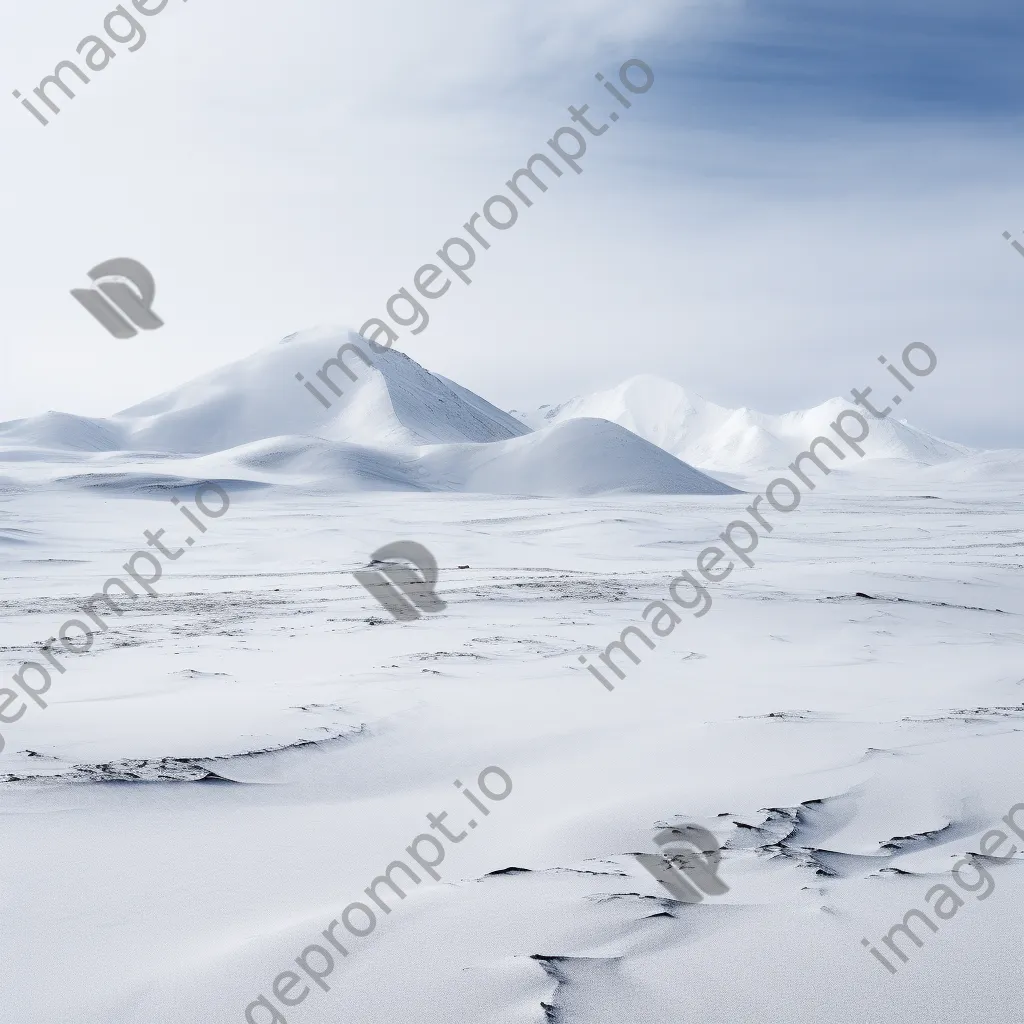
(735, 440)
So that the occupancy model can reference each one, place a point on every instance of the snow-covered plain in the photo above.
(236, 760)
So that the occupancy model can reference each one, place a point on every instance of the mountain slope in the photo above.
(392, 401)
(578, 457)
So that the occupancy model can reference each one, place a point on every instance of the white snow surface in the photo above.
(737, 440)
(235, 759)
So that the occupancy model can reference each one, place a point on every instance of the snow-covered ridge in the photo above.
(376, 421)
(734, 440)
(303, 414)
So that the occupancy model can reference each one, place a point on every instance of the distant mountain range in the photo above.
(396, 426)
(734, 440)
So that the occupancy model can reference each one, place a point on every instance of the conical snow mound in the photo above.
(386, 398)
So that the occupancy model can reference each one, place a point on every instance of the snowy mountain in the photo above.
(734, 440)
(392, 401)
(377, 423)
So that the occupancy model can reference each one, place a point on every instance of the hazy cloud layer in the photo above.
(804, 187)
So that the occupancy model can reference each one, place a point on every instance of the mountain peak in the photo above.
(327, 382)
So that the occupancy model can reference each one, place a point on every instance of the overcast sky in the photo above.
(805, 186)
